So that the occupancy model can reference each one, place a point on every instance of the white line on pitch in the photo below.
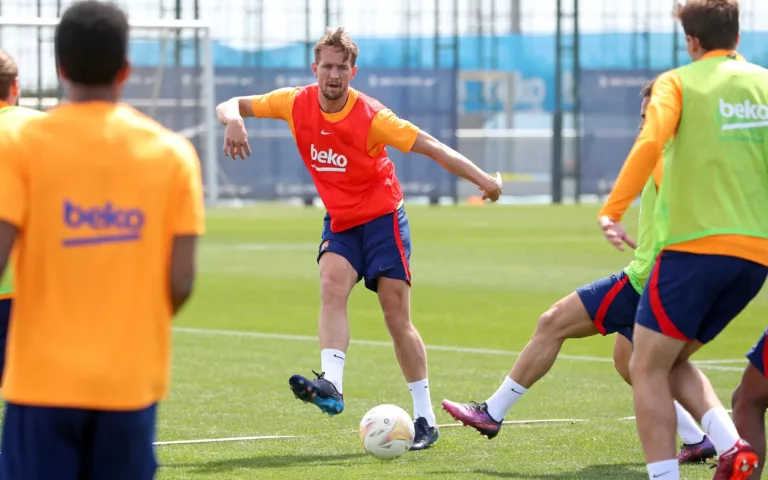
(437, 348)
(721, 362)
(262, 247)
(525, 422)
(632, 418)
(221, 440)
(279, 437)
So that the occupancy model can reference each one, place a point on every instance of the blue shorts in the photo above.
(694, 296)
(5, 318)
(758, 356)
(41, 443)
(611, 303)
(379, 248)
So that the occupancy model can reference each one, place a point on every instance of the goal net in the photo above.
(172, 78)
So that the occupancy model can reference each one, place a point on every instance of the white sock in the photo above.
(720, 429)
(664, 470)
(507, 395)
(687, 427)
(422, 401)
(332, 363)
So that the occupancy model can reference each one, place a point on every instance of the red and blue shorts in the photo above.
(378, 248)
(611, 303)
(694, 296)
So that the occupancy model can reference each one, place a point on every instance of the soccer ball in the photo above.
(386, 432)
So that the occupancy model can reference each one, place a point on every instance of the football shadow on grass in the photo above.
(264, 461)
(623, 471)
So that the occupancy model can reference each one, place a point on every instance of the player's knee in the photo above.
(395, 313)
(394, 305)
(335, 286)
(621, 364)
(622, 355)
(636, 368)
(736, 397)
(747, 397)
(549, 323)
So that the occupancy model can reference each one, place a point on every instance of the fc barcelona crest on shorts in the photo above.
(324, 245)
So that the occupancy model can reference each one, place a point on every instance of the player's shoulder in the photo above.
(15, 122)
(667, 77)
(13, 118)
(752, 67)
(369, 101)
(27, 113)
(296, 92)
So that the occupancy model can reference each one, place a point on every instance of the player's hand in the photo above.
(236, 140)
(493, 190)
(616, 234)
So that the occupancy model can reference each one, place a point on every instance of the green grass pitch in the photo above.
(482, 276)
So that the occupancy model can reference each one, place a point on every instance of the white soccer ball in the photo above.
(386, 432)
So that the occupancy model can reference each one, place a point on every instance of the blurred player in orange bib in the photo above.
(342, 136)
(105, 206)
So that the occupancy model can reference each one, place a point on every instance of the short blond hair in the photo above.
(9, 72)
(338, 39)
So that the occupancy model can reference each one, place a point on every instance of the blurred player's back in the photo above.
(104, 206)
(102, 182)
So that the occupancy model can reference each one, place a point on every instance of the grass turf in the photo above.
(482, 276)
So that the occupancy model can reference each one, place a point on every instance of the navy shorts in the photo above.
(379, 248)
(694, 296)
(758, 356)
(611, 303)
(5, 318)
(42, 443)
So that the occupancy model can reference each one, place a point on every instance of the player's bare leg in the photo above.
(650, 369)
(395, 300)
(659, 370)
(750, 401)
(696, 446)
(566, 319)
(337, 279)
(622, 354)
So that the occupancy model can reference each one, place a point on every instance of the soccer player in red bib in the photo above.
(342, 136)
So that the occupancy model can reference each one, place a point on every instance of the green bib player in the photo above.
(603, 307)
(11, 117)
(711, 231)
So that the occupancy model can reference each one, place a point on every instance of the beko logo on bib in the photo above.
(755, 115)
(106, 223)
(328, 160)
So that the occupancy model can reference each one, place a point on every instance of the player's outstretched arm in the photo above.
(231, 114)
(458, 165)
(234, 109)
(661, 120)
(277, 104)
